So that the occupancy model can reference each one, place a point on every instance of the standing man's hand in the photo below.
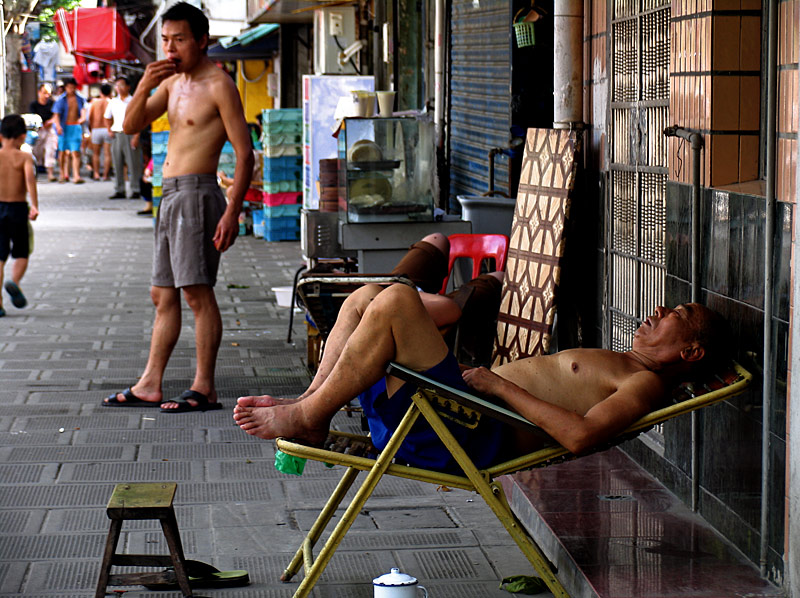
(134, 141)
(227, 231)
(155, 73)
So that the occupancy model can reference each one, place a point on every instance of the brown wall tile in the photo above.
(748, 158)
(705, 86)
(794, 28)
(725, 40)
(750, 44)
(749, 103)
(725, 103)
(724, 160)
(726, 5)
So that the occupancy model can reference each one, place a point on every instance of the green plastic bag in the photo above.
(523, 584)
(289, 464)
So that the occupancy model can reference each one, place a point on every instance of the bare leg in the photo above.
(63, 173)
(18, 269)
(394, 327)
(96, 161)
(76, 166)
(106, 161)
(208, 335)
(166, 330)
(346, 322)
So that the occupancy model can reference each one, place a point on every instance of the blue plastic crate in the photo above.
(275, 175)
(282, 235)
(279, 162)
(282, 223)
(271, 115)
(287, 210)
(282, 186)
(159, 137)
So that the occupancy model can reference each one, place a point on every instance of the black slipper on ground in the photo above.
(203, 575)
(131, 400)
(185, 406)
(17, 298)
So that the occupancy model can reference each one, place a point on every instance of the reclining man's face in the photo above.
(670, 328)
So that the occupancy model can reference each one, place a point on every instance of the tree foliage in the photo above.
(46, 14)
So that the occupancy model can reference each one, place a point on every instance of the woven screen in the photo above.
(536, 247)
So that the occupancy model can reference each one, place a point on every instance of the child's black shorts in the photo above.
(13, 230)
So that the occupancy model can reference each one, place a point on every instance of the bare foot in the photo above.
(263, 401)
(280, 420)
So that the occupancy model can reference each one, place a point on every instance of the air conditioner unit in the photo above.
(335, 37)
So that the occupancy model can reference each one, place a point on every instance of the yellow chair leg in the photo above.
(354, 508)
(322, 521)
(492, 495)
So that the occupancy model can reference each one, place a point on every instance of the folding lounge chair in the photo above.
(527, 306)
(431, 400)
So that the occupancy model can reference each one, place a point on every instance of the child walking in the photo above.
(19, 179)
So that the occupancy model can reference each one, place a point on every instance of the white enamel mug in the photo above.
(397, 585)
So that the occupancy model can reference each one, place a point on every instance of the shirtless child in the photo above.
(19, 180)
(101, 137)
(204, 110)
(580, 397)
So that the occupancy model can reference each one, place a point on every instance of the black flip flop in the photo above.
(131, 400)
(184, 406)
(17, 298)
(203, 575)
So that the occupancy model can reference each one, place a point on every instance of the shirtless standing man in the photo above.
(69, 112)
(101, 137)
(580, 397)
(194, 225)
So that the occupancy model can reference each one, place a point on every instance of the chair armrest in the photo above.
(461, 397)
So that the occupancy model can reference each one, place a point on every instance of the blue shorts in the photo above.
(483, 442)
(71, 139)
(14, 230)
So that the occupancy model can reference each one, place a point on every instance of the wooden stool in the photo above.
(143, 501)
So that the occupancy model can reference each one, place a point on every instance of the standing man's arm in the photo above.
(143, 107)
(232, 114)
(57, 117)
(30, 183)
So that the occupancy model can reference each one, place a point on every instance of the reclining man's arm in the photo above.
(575, 431)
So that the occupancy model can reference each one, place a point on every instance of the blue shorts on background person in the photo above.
(70, 141)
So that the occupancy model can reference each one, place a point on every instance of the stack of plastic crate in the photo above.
(159, 137)
(282, 132)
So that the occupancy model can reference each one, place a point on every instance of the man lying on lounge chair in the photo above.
(580, 397)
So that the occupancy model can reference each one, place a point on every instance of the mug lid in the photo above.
(394, 578)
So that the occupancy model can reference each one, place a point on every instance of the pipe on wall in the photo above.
(567, 63)
(769, 232)
(438, 72)
(696, 142)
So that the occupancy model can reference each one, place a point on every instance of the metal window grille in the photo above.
(636, 203)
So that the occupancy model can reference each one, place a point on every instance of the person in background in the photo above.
(47, 142)
(125, 149)
(69, 113)
(19, 184)
(101, 136)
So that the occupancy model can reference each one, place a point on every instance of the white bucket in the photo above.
(283, 295)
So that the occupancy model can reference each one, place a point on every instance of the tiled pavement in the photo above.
(86, 334)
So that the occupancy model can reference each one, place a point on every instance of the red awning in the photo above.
(99, 32)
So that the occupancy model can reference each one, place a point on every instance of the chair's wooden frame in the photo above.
(425, 401)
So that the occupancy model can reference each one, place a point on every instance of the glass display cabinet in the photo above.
(388, 170)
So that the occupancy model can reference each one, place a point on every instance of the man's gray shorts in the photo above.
(183, 252)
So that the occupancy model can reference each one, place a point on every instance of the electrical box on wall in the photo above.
(337, 50)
